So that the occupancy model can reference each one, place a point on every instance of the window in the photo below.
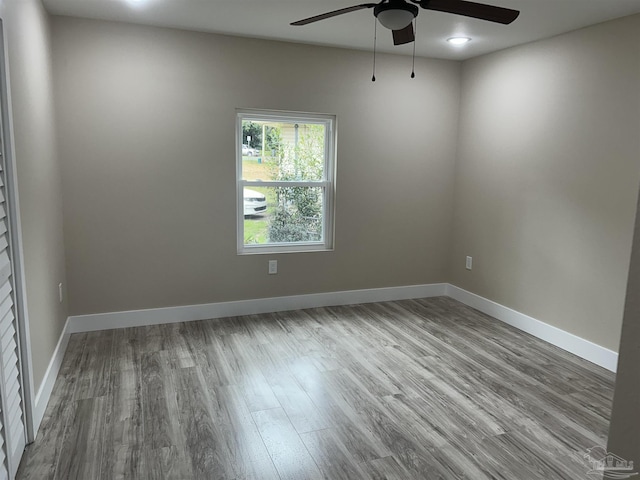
(285, 181)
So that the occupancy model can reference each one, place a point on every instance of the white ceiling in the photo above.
(270, 19)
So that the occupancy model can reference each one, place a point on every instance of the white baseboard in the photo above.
(49, 380)
(156, 316)
(567, 341)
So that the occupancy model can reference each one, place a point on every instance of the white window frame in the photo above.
(327, 183)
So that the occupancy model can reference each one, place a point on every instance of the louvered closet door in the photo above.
(13, 436)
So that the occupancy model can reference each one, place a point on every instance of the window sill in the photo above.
(271, 250)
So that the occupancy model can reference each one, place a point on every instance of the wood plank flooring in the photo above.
(416, 389)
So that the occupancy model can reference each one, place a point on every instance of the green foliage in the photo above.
(255, 131)
(297, 217)
(273, 142)
(288, 225)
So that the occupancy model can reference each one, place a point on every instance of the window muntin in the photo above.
(285, 181)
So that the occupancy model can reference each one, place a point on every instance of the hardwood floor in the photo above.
(416, 389)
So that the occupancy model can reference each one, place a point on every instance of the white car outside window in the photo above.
(248, 151)
(255, 203)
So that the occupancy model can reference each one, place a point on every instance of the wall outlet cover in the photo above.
(273, 267)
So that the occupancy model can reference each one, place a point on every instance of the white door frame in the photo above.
(15, 229)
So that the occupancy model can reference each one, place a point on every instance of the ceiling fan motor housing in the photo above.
(395, 14)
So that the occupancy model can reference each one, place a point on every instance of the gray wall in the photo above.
(146, 121)
(547, 177)
(27, 35)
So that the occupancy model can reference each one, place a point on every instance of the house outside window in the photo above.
(285, 181)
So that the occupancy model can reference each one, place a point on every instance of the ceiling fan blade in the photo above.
(471, 9)
(405, 35)
(335, 13)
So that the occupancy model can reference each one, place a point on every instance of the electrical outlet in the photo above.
(273, 267)
(469, 264)
(60, 292)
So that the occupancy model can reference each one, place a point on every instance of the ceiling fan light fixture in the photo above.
(458, 40)
(395, 15)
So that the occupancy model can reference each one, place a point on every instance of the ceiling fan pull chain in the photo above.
(375, 35)
(415, 38)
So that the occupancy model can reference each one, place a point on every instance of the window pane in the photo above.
(283, 151)
(275, 215)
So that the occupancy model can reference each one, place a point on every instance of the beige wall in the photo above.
(547, 177)
(545, 181)
(146, 128)
(28, 41)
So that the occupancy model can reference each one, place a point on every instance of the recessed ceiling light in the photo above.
(458, 40)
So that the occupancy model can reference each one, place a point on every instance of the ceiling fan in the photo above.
(398, 15)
